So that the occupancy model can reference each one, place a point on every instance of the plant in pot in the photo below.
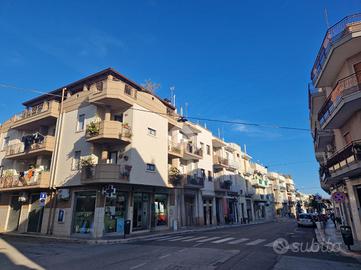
(175, 176)
(92, 129)
(88, 164)
(127, 131)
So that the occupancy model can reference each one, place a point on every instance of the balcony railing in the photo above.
(344, 87)
(37, 179)
(191, 149)
(46, 109)
(345, 157)
(222, 184)
(46, 144)
(108, 130)
(218, 160)
(175, 148)
(192, 180)
(333, 35)
(105, 173)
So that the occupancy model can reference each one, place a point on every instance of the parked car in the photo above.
(305, 220)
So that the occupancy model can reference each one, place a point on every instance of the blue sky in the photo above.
(232, 60)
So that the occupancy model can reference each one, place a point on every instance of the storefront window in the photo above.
(115, 213)
(84, 212)
(160, 209)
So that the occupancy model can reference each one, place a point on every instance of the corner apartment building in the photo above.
(84, 158)
(335, 111)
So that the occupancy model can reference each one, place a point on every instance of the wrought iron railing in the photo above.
(333, 34)
(344, 87)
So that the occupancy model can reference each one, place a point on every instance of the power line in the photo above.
(188, 117)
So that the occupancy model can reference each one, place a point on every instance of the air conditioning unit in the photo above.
(64, 194)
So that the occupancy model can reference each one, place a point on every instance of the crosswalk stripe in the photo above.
(179, 239)
(208, 239)
(269, 244)
(168, 238)
(255, 242)
(238, 241)
(194, 239)
(223, 240)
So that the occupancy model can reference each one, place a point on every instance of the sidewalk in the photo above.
(133, 237)
(330, 235)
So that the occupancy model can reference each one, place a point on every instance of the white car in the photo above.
(305, 220)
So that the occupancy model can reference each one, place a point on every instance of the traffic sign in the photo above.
(338, 197)
(42, 198)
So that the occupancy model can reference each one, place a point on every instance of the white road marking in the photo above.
(255, 242)
(164, 256)
(194, 239)
(269, 244)
(223, 240)
(137, 266)
(196, 245)
(238, 241)
(181, 238)
(169, 238)
(208, 239)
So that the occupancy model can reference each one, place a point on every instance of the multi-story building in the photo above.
(84, 158)
(335, 110)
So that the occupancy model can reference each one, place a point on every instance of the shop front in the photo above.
(160, 211)
(208, 211)
(84, 211)
(141, 211)
(115, 212)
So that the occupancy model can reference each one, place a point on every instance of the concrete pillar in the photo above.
(200, 212)
(214, 211)
(107, 114)
(354, 210)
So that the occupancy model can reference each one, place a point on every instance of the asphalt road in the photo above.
(247, 247)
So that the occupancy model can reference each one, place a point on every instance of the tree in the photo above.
(152, 87)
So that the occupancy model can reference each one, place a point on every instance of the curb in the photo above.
(131, 239)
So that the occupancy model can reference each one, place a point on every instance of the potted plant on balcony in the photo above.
(92, 129)
(127, 131)
(175, 176)
(88, 164)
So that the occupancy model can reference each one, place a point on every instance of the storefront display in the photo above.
(84, 212)
(160, 209)
(115, 213)
(141, 210)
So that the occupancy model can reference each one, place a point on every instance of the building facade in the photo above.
(335, 110)
(85, 158)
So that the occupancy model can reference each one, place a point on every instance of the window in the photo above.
(81, 122)
(150, 167)
(347, 137)
(208, 150)
(202, 147)
(210, 178)
(128, 90)
(118, 117)
(76, 160)
(152, 132)
(203, 173)
(5, 143)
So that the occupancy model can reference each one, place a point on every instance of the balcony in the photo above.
(191, 152)
(192, 181)
(18, 151)
(342, 103)
(108, 131)
(322, 139)
(44, 114)
(340, 42)
(105, 173)
(232, 165)
(12, 182)
(260, 198)
(222, 185)
(220, 162)
(116, 94)
(175, 150)
(344, 163)
(259, 183)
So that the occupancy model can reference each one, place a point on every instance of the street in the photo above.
(245, 247)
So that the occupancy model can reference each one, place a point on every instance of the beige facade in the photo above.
(335, 104)
(104, 150)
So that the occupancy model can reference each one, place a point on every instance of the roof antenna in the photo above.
(326, 18)
(186, 110)
(219, 133)
(172, 95)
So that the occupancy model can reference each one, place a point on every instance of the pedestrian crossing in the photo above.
(214, 240)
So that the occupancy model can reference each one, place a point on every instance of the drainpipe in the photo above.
(59, 126)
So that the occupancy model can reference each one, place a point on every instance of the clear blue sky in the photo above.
(233, 60)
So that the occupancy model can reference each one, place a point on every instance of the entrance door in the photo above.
(83, 221)
(14, 215)
(141, 209)
(189, 207)
(210, 212)
(112, 157)
(35, 215)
